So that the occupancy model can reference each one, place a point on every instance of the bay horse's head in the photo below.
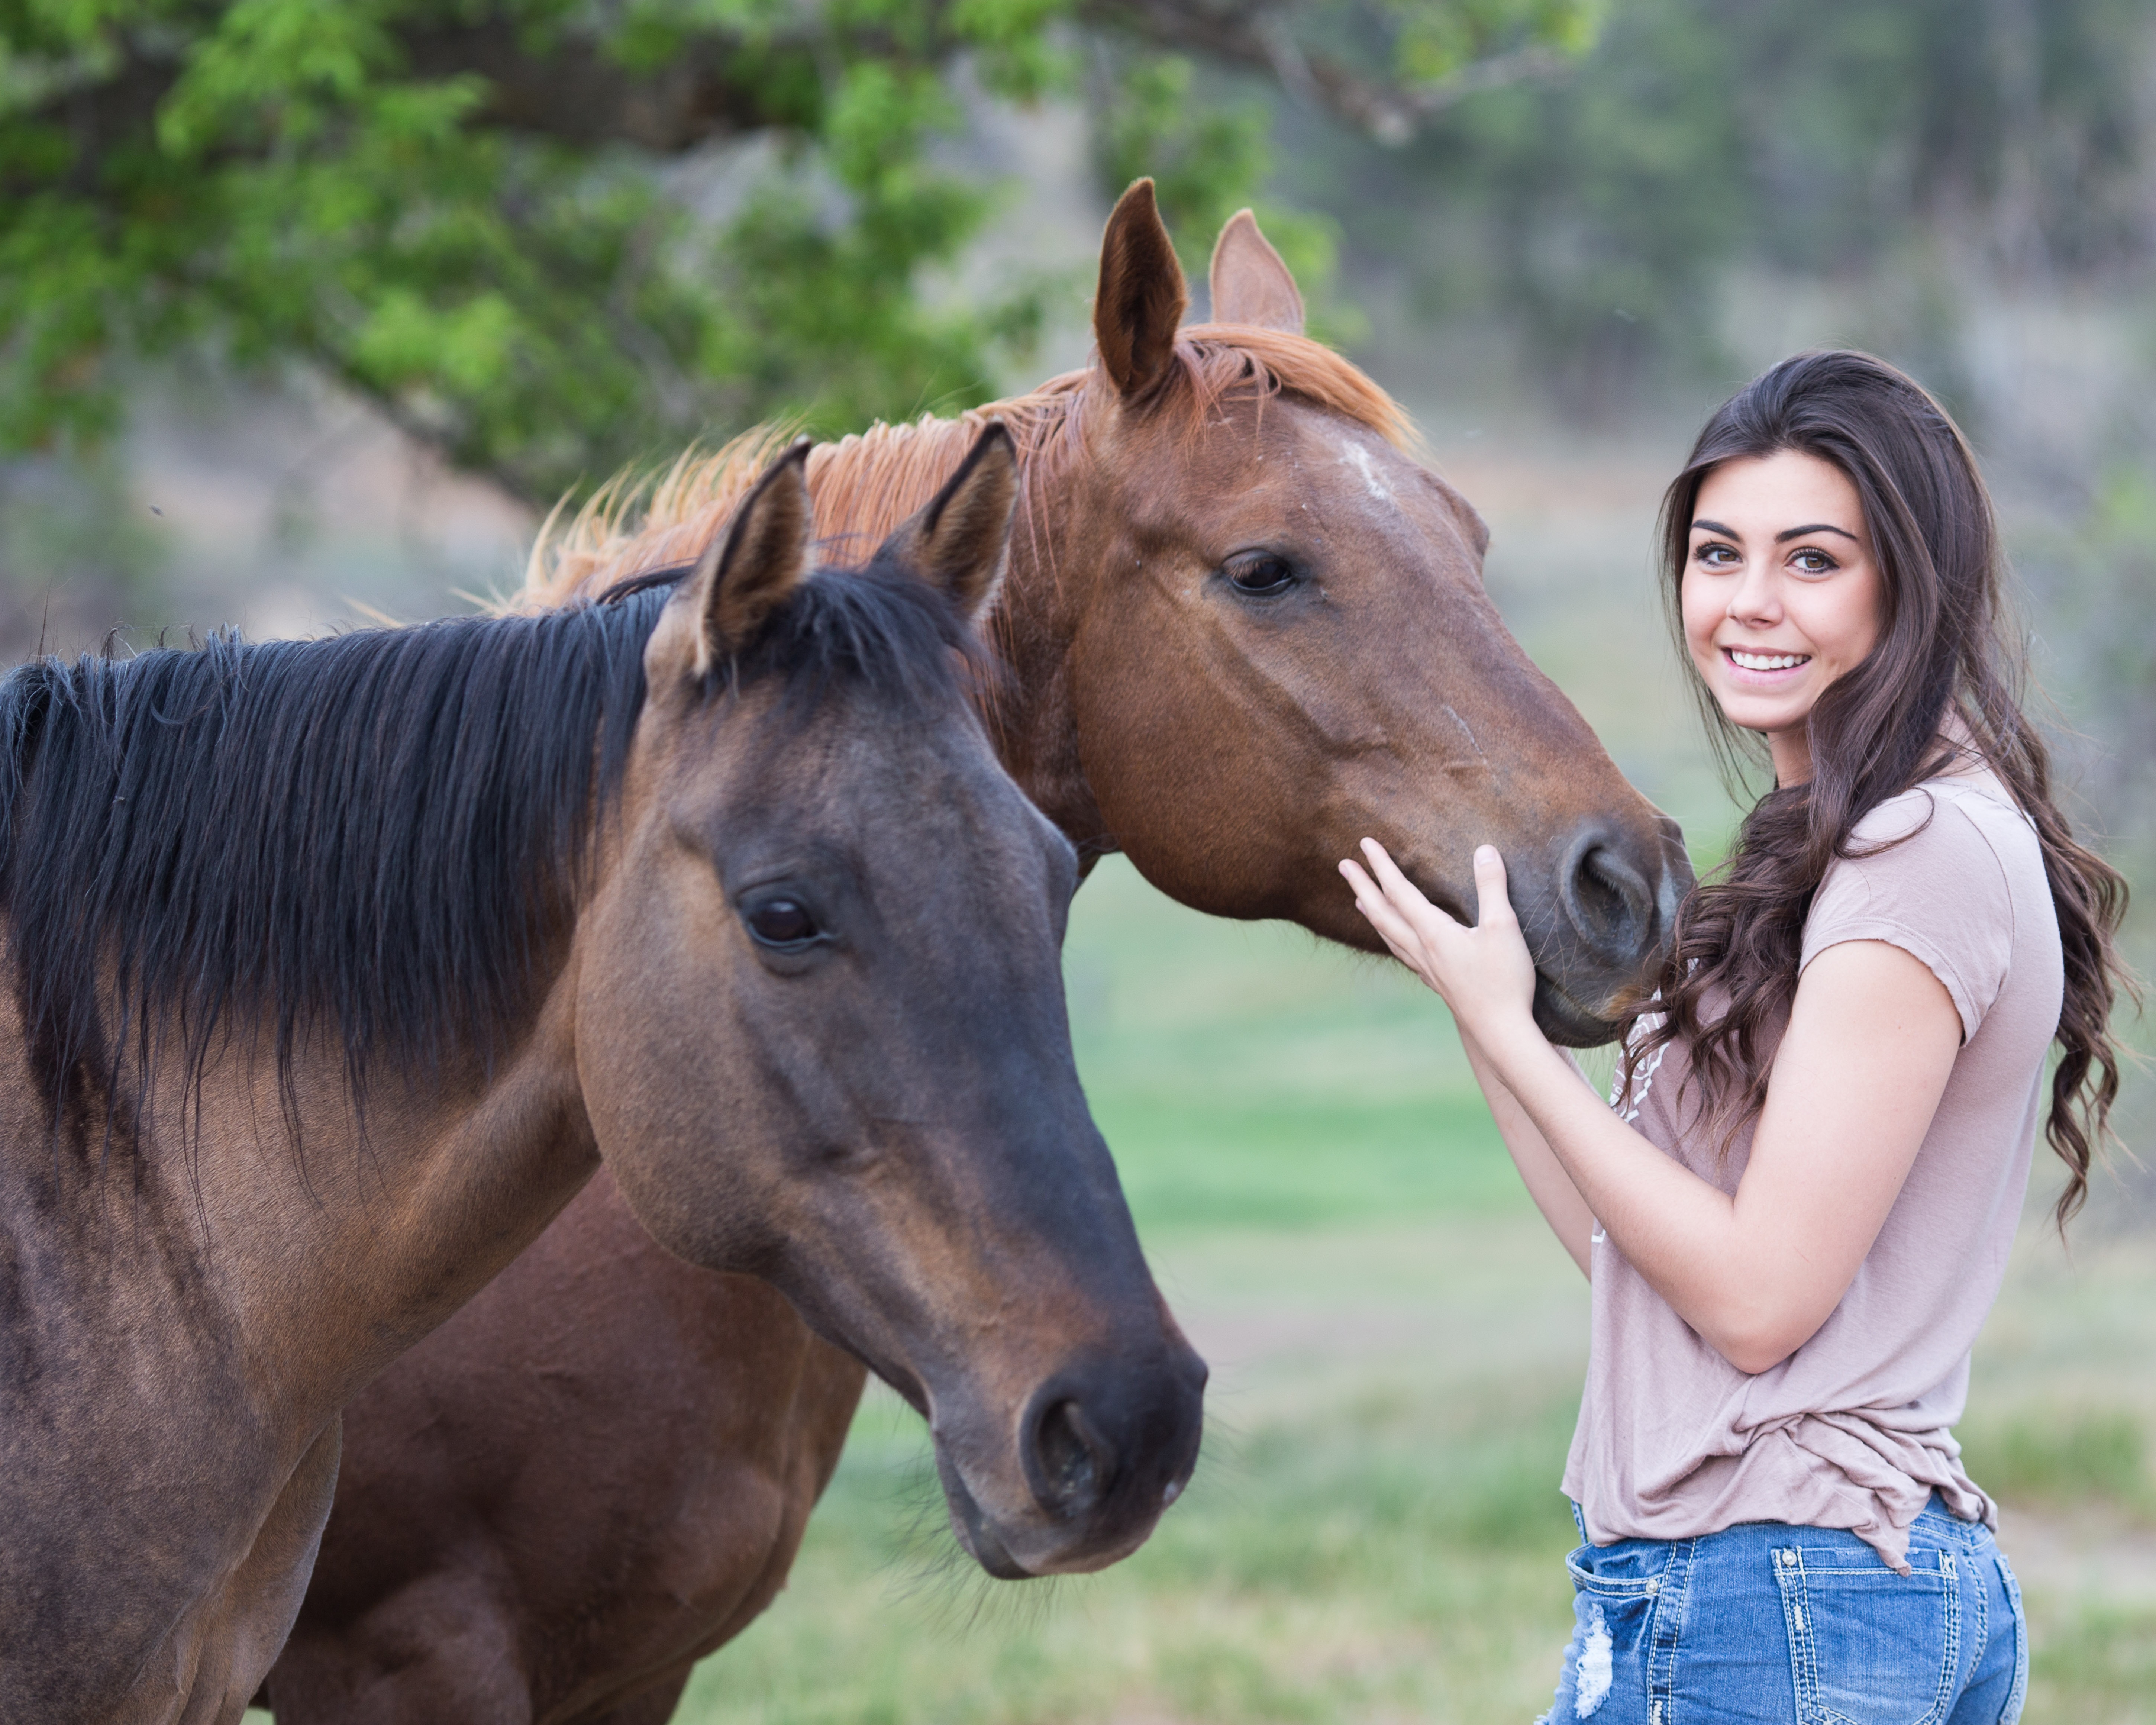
(820, 1025)
(1282, 645)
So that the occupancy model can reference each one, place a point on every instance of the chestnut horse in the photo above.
(338, 967)
(1244, 628)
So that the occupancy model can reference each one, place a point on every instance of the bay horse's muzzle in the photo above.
(1104, 1447)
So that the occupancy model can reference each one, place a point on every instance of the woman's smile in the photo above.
(1766, 661)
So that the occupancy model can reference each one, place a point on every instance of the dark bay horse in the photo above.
(1245, 627)
(337, 967)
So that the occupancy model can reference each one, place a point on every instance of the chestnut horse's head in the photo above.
(820, 1029)
(1279, 642)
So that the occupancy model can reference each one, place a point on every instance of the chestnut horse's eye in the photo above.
(1260, 574)
(782, 923)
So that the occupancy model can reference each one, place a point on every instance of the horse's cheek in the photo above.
(662, 1081)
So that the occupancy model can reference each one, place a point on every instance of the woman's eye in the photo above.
(1260, 573)
(782, 923)
(1716, 556)
(1813, 562)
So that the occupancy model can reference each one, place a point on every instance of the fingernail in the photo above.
(1486, 853)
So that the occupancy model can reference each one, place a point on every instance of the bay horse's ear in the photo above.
(955, 542)
(1250, 283)
(1140, 298)
(746, 573)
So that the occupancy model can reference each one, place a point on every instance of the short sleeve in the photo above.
(1937, 890)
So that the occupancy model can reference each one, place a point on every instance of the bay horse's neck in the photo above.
(189, 1316)
(286, 928)
(221, 1196)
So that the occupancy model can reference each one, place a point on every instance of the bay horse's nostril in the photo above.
(1607, 900)
(1071, 1462)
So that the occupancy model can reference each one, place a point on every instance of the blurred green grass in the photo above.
(1246, 1075)
(2064, 1459)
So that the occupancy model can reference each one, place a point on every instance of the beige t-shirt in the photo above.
(1854, 1429)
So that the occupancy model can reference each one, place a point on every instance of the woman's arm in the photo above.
(1543, 1175)
(1871, 1039)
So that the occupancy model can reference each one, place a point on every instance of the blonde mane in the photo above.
(866, 483)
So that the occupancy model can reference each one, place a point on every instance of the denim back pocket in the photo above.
(1869, 1646)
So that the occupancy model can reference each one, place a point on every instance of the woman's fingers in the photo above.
(1493, 903)
(1405, 896)
(1393, 928)
(1402, 891)
(1479, 969)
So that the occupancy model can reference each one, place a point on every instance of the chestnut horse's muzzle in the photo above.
(1599, 932)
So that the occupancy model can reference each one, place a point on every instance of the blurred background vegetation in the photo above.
(309, 310)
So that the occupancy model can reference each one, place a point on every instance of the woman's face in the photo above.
(1781, 593)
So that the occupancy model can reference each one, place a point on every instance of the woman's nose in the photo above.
(1756, 599)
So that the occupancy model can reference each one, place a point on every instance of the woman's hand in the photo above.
(1485, 973)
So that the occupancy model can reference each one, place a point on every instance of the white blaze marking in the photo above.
(1358, 458)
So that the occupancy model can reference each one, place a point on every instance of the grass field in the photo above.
(1375, 1532)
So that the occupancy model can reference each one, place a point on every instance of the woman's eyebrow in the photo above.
(1789, 533)
(1707, 527)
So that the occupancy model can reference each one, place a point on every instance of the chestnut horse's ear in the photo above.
(955, 542)
(1250, 283)
(746, 574)
(1141, 297)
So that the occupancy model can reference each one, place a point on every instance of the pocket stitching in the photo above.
(2011, 1713)
(1804, 1667)
(1612, 1587)
(1616, 1589)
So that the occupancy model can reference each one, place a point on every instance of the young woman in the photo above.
(1796, 1211)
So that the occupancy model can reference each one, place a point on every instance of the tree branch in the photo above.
(574, 91)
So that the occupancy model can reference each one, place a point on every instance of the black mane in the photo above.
(378, 831)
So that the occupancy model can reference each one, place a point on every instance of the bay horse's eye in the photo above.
(782, 923)
(1260, 574)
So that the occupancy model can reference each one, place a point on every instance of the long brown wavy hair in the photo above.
(1945, 653)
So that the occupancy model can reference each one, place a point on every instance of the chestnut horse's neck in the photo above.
(863, 486)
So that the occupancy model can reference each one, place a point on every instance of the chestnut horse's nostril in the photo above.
(1071, 1461)
(1607, 900)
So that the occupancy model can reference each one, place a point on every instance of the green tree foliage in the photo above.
(307, 185)
(462, 209)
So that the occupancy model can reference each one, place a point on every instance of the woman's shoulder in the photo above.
(1965, 823)
(1944, 871)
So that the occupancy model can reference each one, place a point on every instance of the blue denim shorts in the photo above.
(1766, 1623)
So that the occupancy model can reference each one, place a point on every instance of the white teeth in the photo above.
(1768, 661)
